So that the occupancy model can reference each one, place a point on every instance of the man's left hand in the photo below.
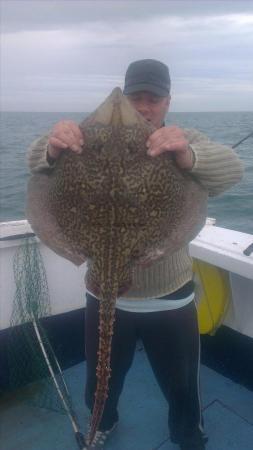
(171, 139)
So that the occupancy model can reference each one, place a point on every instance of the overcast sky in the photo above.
(68, 55)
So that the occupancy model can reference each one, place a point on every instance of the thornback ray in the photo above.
(114, 206)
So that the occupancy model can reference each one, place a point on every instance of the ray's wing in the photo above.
(172, 232)
(44, 223)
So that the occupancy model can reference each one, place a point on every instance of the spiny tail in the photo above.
(109, 290)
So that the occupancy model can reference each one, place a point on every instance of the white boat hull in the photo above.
(218, 246)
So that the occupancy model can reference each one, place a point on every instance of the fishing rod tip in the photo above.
(81, 441)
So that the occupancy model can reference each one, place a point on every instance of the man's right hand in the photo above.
(66, 134)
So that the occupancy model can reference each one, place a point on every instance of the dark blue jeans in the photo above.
(171, 341)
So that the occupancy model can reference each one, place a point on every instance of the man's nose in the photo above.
(143, 108)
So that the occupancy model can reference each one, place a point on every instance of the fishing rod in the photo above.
(242, 140)
(64, 397)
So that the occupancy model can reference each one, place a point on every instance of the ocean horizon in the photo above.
(233, 209)
(89, 112)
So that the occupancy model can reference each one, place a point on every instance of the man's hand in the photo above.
(171, 139)
(66, 134)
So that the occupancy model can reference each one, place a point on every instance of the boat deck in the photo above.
(227, 406)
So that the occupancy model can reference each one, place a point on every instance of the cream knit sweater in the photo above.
(216, 167)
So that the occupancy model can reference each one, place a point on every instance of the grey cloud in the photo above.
(20, 15)
(73, 67)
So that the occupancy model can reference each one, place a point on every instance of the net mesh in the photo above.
(28, 365)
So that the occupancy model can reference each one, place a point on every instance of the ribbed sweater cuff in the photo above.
(37, 155)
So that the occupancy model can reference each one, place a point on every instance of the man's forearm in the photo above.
(216, 166)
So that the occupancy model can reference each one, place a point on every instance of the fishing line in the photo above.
(242, 140)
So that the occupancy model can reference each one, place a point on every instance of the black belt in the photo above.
(180, 293)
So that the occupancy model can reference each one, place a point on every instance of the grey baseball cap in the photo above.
(147, 75)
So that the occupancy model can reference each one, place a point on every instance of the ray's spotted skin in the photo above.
(114, 206)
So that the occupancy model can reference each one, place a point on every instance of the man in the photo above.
(159, 308)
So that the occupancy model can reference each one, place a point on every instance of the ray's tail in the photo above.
(109, 291)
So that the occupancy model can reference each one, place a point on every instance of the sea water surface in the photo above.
(233, 209)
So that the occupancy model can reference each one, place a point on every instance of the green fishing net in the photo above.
(30, 354)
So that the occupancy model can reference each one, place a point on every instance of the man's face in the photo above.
(152, 107)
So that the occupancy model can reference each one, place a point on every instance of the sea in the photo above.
(233, 209)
